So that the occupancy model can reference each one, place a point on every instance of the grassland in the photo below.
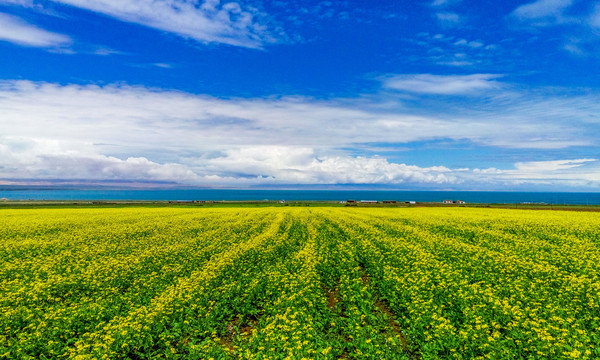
(298, 282)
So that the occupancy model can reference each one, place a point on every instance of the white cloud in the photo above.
(26, 3)
(551, 166)
(302, 166)
(441, 3)
(442, 84)
(33, 158)
(117, 132)
(50, 159)
(472, 44)
(594, 19)
(454, 51)
(570, 173)
(573, 46)
(448, 18)
(209, 22)
(140, 118)
(17, 31)
(177, 120)
(579, 23)
(543, 12)
(103, 51)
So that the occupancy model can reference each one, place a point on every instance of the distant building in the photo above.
(368, 201)
(410, 202)
(460, 202)
(282, 201)
(350, 201)
(389, 201)
(448, 201)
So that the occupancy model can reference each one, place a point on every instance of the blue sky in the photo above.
(438, 94)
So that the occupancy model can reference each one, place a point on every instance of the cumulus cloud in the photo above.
(290, 165)
(51, 159)
(448, 50)
(208, 21)
(442, 84)
(37, 160)
(17, 31)
(33, 158)
(301, 165)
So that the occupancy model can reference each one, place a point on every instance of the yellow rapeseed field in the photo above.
(299, 283)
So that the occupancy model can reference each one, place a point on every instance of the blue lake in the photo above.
(306, 195)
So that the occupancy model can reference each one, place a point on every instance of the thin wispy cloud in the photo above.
(578, 24)
(208, 22)
(163, 65)
(550, 166)
(103, 51)
(443, 3)
(543, 12)
(448, 18)
(26, 3)
(569, 172)
(20, 32)
(594, 18)
(442, 84)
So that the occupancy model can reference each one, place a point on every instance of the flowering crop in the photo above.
(299, 283)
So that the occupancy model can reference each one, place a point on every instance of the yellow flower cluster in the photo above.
(299, 283)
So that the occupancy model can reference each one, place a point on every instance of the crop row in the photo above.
(299, 283)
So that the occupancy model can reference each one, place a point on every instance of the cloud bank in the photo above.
(137, 133)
